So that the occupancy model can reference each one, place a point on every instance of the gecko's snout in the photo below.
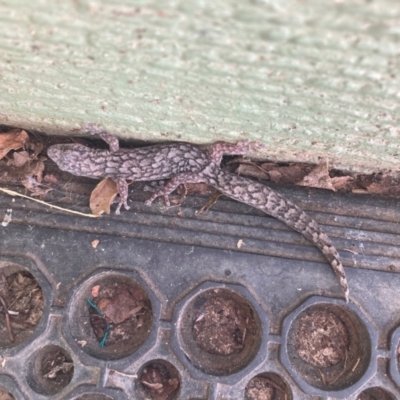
(62, 156)
(54, 153)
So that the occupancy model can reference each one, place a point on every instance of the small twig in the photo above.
(356, 364)
(274, 385)
(12, 193)
(10, 334)
(322, 376)
(210, 202)
(350, 250)
(343, 370)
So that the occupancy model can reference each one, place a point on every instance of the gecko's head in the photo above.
(66, 156)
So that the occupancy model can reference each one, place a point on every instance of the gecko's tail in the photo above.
(272, 203)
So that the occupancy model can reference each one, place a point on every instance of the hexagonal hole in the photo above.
(21, 305)
(329, 346)
(375, 393)
(51, 370)
(158, 380)
(111, 316)
(267, 386)
(220, 331)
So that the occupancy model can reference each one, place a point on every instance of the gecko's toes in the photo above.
(248, 145)
(93, 129)
(256, 145)
(166, 201)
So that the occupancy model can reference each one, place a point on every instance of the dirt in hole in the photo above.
(220, 326)
(94, 396)
(375, 393)
(21, 307)
(268, 386)
(57, 369)
(117, 312)
(322, 339)
(159, 382)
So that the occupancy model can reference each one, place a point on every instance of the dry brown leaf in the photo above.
(35, 187)
(65, 367)
(36, 168)
(120, 308)
(30, 169)
(342, 182)
(12, 140)
(95, 290)
(34, 177)
(318, 178)
(20, 158)
(35, 148)
(51, 178)
(252, 171)
(103, 196)
(287, 175)
(383, 189)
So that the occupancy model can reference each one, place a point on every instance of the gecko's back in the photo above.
(140, 164)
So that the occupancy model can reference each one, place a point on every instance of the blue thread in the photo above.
(102, 343)
(91, 304)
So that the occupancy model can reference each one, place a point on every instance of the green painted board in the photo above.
(313, 79)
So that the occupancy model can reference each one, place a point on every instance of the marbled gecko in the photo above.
(185, 163)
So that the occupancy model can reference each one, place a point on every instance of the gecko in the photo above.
(183, 163)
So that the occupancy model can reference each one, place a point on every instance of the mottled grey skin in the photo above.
(184, 163)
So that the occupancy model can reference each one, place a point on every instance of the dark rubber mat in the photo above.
(253, 269)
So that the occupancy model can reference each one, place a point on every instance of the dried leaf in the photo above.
(12, 140)
(318, 178)
(36, 147)
(103, 196)
(252, 171)
(120, 308)
(342, 182)
(51, 178)
(64, 368)
(239, 244)
(36, 168)
(383, 189)
(95, 290)
(35, 187)
(20, 158)
(288, 175)
(158, 383)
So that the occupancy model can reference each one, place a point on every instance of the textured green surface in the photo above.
(311, 79)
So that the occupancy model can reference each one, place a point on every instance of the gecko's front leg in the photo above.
(122, 188)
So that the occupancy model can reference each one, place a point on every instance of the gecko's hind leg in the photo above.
(109, 138)
(217, 150)
(166, 190)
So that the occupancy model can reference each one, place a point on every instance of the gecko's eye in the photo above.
(65, 156)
